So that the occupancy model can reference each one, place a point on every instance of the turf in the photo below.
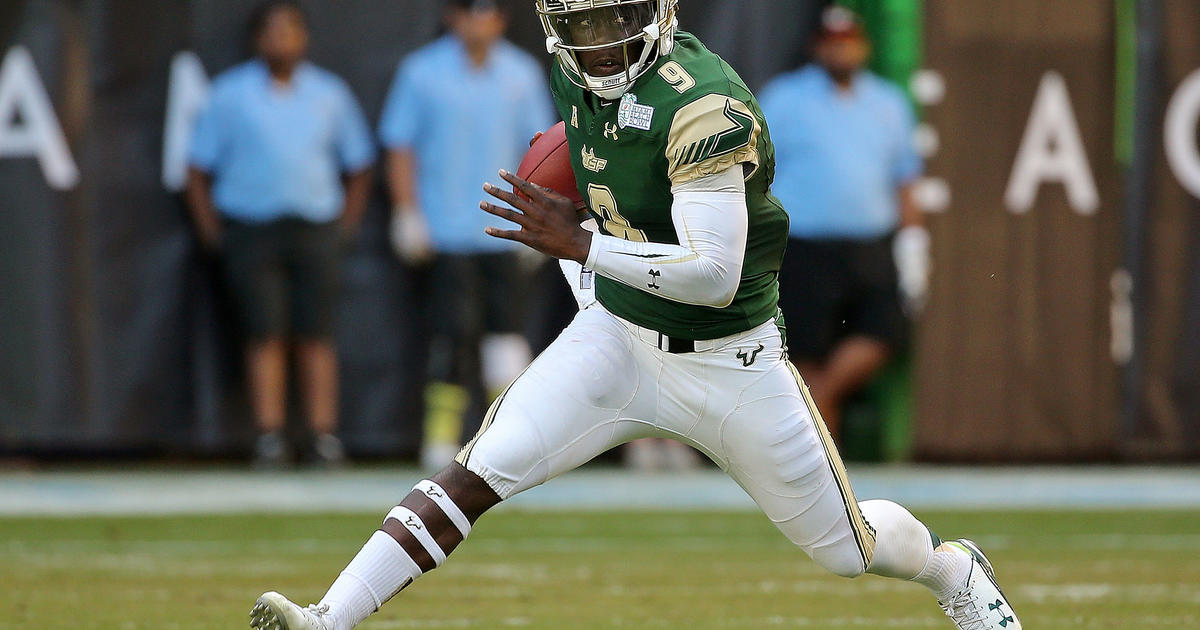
(1116, 570)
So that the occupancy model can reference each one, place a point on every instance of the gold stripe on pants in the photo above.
(864, 534)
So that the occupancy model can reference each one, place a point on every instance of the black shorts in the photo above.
(283, 276)
(833, 289)
(473, 294)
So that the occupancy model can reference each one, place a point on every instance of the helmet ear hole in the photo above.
(666, 44)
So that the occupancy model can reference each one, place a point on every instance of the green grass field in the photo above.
(1119, 570)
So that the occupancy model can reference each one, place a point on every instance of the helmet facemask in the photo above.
(635, 32)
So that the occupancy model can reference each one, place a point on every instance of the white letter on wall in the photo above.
(1052, 150)
(1179, 133)
(38, 134)
(187, 93)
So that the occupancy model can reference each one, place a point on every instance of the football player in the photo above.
(683, 340)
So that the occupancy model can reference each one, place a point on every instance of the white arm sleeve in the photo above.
(706, 267)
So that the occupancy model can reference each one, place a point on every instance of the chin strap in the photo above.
(632, 71)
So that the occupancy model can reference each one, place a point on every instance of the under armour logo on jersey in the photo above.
(748, 359)
(654, 276)
(610, 129)
(1004, 619)
(413, 523)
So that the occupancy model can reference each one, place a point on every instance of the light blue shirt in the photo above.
(840, 157)
(463, 124)
(279, 151)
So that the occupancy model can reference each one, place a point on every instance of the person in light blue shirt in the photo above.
(847, 153)
(460, 109)
(279, 171)
(279, 149)
(845, 167)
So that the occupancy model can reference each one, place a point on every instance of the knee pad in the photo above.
(903, 543)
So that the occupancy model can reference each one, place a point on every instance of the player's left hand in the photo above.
(548, 220)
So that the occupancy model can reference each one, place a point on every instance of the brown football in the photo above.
(548, 164)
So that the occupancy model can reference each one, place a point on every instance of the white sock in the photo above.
(375, 575)
(946, 571)
(904, 549)
(383, 568)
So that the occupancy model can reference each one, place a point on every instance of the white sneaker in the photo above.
(273, 611)
(979, 605)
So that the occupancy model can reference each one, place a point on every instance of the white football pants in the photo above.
(605, 382)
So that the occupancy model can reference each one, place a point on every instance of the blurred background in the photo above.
(1061, 190)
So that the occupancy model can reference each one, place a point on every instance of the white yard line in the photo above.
(1087, 592)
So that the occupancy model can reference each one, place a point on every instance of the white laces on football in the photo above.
(964, 611)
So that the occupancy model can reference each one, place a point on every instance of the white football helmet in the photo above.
(572, 26)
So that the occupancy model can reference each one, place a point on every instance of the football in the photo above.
(548, 164)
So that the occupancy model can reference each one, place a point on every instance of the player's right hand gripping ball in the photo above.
(548, 164)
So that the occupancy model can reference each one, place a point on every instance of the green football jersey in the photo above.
(690, 115)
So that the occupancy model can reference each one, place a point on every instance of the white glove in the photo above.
(911, 252)
(410, 236)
